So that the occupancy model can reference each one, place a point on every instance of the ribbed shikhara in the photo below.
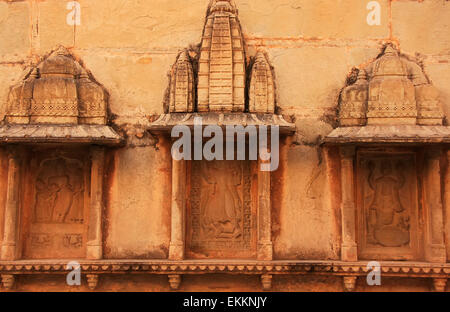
(262, 87)
(221, 77)
(182, 82)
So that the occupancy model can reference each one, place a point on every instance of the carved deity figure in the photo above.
(221, 205)
(388, 221)
(59, 193)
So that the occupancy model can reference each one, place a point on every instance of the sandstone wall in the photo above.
(130, 45)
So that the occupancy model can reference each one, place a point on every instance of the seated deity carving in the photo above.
(388, 219)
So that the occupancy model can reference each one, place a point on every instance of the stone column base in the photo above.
(349, 252)
(8, 251)
(265, 251)
(176, 251)
(94, 251)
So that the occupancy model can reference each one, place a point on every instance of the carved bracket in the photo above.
(350, 283)
(439, 284)
(266, 281)
(174, 281)
(92, 280)
(8, 281)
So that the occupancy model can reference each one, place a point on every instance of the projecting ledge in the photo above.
(59, 134)
(389, 134)
(165, 122)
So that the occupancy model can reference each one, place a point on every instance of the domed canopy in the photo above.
(58, 94)
(392, 101)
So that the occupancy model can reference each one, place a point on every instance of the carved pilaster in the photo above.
(174, 281)
(10, 235)
(177, 241)
(265, 247)
(447, 204)
(8, 281)
(94, 245)
(92, 280)
(350, 283)
(348, 207)
(435, 247)
(266, 281)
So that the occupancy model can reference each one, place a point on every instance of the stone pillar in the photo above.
(447, 205)
(9, 245)
(177, 240)
(94, 244)
(348, 207)
(265, 248)
(434, 247)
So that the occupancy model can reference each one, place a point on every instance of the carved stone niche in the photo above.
(220, 209)
(388, 206)
(391, 145)
(53, 142)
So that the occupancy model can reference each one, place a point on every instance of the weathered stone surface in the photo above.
(15, 30)
(414, 38)
(140, 24)
(312, 20)
(53, 28)
(302, 214)
(139, 186)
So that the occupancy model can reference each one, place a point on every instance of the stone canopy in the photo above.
(58, 102)
(390, 101)
(218, 85)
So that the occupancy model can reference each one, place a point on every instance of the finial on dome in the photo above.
(61, 50)
(222, 6)
(390, 49)
(183, 56)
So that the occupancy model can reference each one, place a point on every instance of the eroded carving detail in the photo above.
(220, 206)
(57, 225)
(396, 91)
(59, 192)
(221, 77)
(57, 91)
(262, 87)
(388, 206)
(388, 220)
(181, 85)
